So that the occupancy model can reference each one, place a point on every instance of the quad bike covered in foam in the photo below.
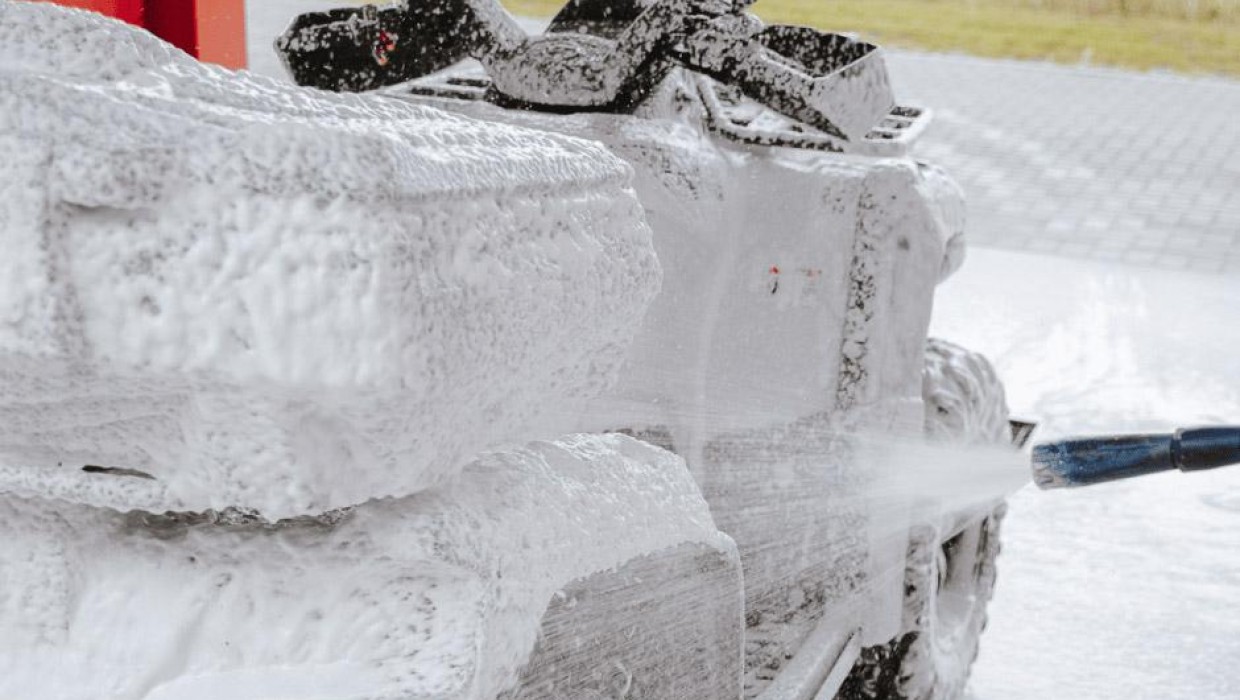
(483, 384)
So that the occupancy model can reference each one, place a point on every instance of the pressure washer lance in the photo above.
(1093, 460)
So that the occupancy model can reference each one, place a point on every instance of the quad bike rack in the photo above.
(773, 85)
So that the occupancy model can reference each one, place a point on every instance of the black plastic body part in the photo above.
(336, 49)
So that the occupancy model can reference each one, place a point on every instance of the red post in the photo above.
(210, 30)
(128, 10)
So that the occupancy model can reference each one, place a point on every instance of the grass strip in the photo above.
(1003, 29)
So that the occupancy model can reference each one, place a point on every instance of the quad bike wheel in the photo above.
(949, 577)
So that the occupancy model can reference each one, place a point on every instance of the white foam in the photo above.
(438, 595)
(279, 298)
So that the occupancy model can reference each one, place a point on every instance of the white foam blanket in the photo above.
(437, 595)
(277, 298)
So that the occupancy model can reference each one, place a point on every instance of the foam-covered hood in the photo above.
(277, 298)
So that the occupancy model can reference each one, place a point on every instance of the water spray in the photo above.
(1093, 460)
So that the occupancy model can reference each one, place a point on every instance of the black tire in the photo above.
(949, 578)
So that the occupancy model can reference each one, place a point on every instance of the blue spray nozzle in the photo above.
(1092, 460)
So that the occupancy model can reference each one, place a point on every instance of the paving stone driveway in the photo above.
(1086, 162)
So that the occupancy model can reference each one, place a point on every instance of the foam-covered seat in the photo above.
(276, 298)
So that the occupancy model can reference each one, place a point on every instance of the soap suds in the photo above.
(279, 298)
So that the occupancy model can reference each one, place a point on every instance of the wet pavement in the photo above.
(1128, 590)
(1111, 165)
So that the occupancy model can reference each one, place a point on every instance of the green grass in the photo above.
(1138, 34)
(1201, 10)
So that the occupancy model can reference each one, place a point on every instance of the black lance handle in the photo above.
(1093, 460)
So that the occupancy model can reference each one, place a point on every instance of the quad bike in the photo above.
(784, 262)
(485, 384)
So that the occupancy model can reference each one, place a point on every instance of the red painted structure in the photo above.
(210, 30)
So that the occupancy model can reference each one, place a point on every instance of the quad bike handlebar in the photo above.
(831, 82)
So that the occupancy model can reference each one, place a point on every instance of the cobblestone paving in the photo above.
(1086, 162)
